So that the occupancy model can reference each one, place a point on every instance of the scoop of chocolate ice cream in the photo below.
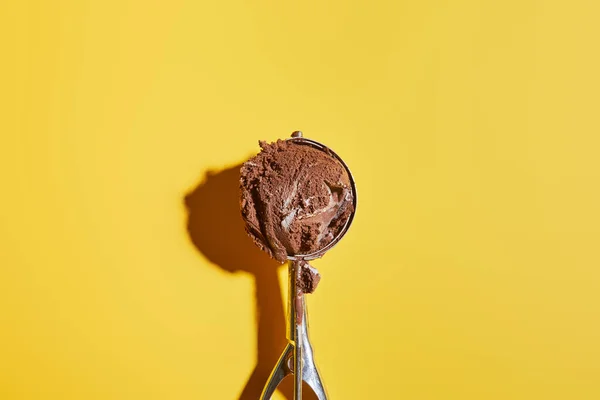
(295, 198)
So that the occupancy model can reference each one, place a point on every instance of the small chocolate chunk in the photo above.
(308, 278)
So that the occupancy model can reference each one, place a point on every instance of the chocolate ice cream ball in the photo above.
(295, 198)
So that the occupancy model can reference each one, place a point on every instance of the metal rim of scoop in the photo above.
(297, 138)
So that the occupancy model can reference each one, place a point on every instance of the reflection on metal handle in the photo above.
(298, 354)
(295, 321)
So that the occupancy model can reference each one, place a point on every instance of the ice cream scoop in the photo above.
(298, 199)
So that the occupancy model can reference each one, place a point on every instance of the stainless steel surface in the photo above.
(296, 311)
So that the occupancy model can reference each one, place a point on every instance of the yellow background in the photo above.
(472, 270)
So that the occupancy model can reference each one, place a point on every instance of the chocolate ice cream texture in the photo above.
(295, 198)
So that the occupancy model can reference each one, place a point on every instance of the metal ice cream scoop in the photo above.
(297, 358)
